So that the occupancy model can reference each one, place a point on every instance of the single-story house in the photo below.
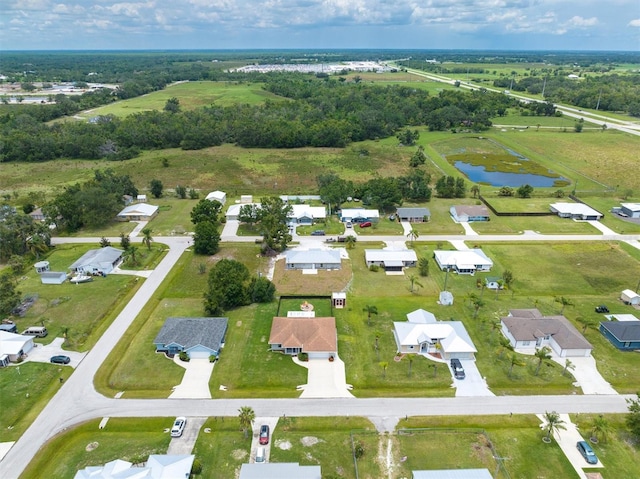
(13, 346)
(279, 470)
(624, 335)
(632, 210)
(528, 329)
(96, 261)
(463, 261)
(233, 212)
(41, 266)
(318, 337)
(359, 215)
(141, 198)
(53, 277)
(138, 212)
(423, 334)
(127, 199)
(469, 213)
(307, 215)
(576, 211)
(313, 259)
(453, 474)
(493, 282)
(630, 297)
(414, 215)
(391, 260)
(217, 195)
(300, 198)
(200, 338)
(158, 466)
(37, 215)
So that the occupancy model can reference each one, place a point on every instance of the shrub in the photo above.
(213, 358)
(303, 356)
(183, 356)
(196, 467)
(359, 450)
(374, 267)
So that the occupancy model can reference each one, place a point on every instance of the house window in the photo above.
(525, 343)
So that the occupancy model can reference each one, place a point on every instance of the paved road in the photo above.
(77, 400)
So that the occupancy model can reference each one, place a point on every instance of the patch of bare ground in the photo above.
(239, 454)
(309, 441)
(325, 282)
(284, 445)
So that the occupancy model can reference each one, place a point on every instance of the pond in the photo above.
(479, 174)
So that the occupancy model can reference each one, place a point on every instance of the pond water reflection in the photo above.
(478, 174)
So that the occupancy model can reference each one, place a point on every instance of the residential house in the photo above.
(200, 338)
(630, 297)
(423, 334)
(414, 215)
(313, 259)
(307, 215)
(127, 199)
(469, 213)
(359, 215)
(141, 198)
(452, 474)
(158, 466)
(37, 215)
(528, 330)
(391, 260)
(463, 261)
(233, 212)
(138, 212)
(98, 261)
(217, 195)
(576, 211)
(624, 335)
(632, 210)
(279, 470)
(318, 337)
(14, 346)
(41, 266)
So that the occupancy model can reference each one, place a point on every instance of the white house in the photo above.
(528, 330)
(307, 215)
(630, 297)
(233, 212)
(414, 215)
(158, 466)
(576, 211)
(96, 261)
(359, 215)
(423, 334)
(313, 259)
(463, 262)
(14, 346)
(391, 260)
(632, 210)
(469, 213)
(138, 212)
(217, 195)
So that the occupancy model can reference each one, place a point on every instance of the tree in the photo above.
(578, 126)
(350, 241)
(206, 238)
(413, 235)
(553, 424)
(206, 210)
(507, 277)
(384, 365)
(383, 193)
(600, 429)
(568, 366)
(181, 192)
(9, 295)
(475, 191)
(633, 418)
(505, 191)
(247, 416)
(227, 286)
(370, 309)
(172, 105)
(514, 360)
(564, 302)
(413, 279)
(543, 354)
(273, 216)
(477, 303)
(418, 158)
(586, 322)
(156, 187)
(423, 266)
(408, 137)
(147, 239)
(261, 290)
(131, 254)
(333, 190)
(505, 345)
(525, 191)
(104, 242)
(125, 242)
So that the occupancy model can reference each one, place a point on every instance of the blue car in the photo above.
(587, 452)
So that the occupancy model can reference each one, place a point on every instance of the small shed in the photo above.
(53, 277)
(446, 298)
(630, 297)
(246, 199)
(41, 266)
(141, 198)
(339, 300)
(217, 195)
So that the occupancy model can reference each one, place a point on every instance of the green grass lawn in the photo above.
(537, 123)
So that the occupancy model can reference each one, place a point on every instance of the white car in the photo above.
(178, 426)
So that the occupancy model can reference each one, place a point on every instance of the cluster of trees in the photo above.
(20, 235)
(231, 285)
(271, 217)
(206, 217)
(451, 187)
(524, 191)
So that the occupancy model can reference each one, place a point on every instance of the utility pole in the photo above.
(544, 85)
(599, 96)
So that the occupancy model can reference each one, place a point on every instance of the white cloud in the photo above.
(580, 22)
(634, 23)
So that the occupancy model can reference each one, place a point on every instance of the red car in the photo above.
(264, 434)
(366, 224)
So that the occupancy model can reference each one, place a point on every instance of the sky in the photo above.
(320, 24)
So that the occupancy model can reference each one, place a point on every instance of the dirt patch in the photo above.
(323, 283)
(284, 445)
(91, 446)
(309, 441)
(239, 454)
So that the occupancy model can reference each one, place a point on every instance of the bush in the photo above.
(213, 358)
(184, 357)
(374, 267)
(358, 450)
(303, 356)
(196, 467)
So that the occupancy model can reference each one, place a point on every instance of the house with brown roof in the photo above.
(528, 330)
(469, 213)
(318, 337)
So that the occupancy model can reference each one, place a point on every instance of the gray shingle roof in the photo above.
(413, 212)
(190, 332)
(531, 325)
(109, 254)
(623, 330)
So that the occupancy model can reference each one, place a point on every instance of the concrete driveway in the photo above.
(587, 375)
(195, 382)
(325, 379)
(473, 384)
(42, 354)
(272, 422)
(184, 444)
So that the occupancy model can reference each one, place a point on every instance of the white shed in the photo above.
(217, 195)
(630, 297)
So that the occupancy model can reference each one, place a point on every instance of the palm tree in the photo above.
(568, 365)
(543, 354)
(586, 322)
(514, 360)
(414, 281)
(600, 429)
(475, 191)
(554, 424)
(384, 365)
(505, 345)
(477, 304)
(36, 245)
(131, 253)
(413, 235)
(350, 240)
(247, 416)
(370, 309)
(410, 359)
(564, 302)
(147, 238)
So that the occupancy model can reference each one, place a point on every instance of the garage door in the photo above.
(318, 355)
(199, 355)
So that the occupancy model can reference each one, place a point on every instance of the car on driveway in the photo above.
(587, 452)
(458, 370)
(602, 309)
(317, 233)
(366, 224)
(60, 359)
(178, 426)
(264, 434)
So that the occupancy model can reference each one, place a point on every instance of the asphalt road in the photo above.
(77, 400)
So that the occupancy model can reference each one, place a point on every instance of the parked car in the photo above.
(349, 224)
(366, 224)
(330, 240)
(260, 455)
(264, 434)
(602, 309)
(317, 233)
(178, 426)
(60, 359)
(587, 452)
(458, 370)
(392, 217)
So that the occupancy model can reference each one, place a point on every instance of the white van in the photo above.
(38, 331)
(260, 455)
